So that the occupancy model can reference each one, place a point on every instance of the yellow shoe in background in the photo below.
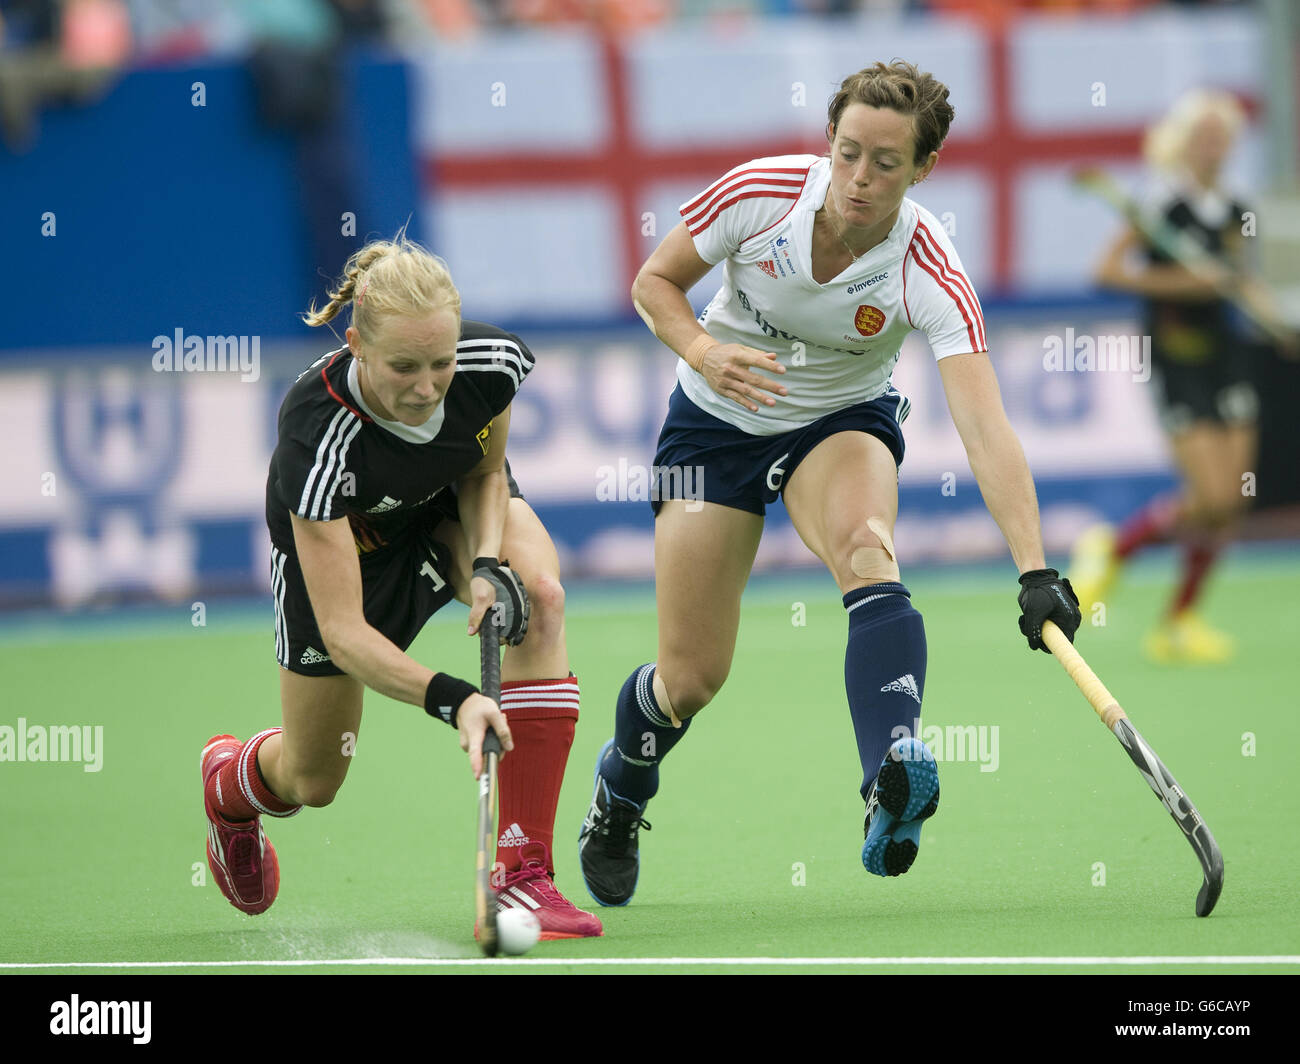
(1093, 565)
(1185, 638)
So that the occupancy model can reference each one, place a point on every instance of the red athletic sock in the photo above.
(1154, 523)
(1198, 557)
(238, 792)
(542, 716)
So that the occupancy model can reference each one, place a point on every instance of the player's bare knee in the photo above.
(694, 690)
(546, 610)
(316, 791)
(1233, 503)
(1217, 511)
(869, 554)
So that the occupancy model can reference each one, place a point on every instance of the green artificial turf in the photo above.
(754, 850)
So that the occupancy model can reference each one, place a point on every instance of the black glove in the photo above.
(1047, 596)
(511, 609)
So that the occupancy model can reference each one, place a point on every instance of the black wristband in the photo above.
(484, 563)
(443, 696)
(1038, 576)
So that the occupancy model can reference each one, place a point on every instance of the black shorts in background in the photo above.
(1220, 389)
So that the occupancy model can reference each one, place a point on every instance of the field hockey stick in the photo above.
(485, 908)
(1148, 763)
(1253, 300)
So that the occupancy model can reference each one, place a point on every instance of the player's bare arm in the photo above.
(1171, 281)
(998, 462)
(995, 455)
(328, 556)
(734, 371)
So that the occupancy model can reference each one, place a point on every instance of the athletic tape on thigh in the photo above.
(876, 563)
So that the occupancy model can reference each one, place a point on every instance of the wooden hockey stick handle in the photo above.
(1093, 689)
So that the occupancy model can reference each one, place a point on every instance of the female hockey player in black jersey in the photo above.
(389, 495)
(1201, 369)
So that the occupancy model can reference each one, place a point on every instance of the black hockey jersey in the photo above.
(1182, 330)
(334, 460)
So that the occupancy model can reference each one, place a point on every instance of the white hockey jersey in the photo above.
(838, 341)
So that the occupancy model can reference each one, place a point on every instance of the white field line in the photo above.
(711, 962)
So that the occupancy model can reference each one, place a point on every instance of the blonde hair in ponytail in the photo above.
(389, 277)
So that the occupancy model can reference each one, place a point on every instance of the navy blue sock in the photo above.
(884, 670)
(643, 735)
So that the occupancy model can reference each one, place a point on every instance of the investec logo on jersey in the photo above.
(179, 353)
(857, 287)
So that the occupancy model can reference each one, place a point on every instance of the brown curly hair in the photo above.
(901, 87)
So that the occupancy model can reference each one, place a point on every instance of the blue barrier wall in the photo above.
(172, 215)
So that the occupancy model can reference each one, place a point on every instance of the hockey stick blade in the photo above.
(1180, 807)
(1166, 788)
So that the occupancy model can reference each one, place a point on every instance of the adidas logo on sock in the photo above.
(513, 836)
(906, 684)
(312, 656)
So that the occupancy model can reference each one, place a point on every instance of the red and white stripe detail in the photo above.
(514, 898)
(247, 767)
(785, 183)
(536, 699)
(928, 253)
(217, 855)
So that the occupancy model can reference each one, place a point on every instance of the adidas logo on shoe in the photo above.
(513, 836)
(312, 656)
(906, 684)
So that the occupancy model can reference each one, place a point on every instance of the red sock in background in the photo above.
(1154, 523)
(238, 792)
(1198, 558)
(542, 716)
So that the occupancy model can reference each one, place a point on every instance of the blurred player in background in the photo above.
(784, 388)
(1202, 371)
(389, 495)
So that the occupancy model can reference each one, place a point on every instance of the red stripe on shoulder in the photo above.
(934, 250)
(933, 271)
(784, 216)
(760, 187)
(701, 227)
(905, 256)
(695, 205)
(338, 398)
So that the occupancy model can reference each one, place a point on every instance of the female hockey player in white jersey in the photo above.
(784, 388)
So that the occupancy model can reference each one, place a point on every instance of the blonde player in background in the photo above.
(784, 388)
(1202, 371)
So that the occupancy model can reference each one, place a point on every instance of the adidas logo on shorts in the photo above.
(906, 684)
(513, 836)
(312, 656)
